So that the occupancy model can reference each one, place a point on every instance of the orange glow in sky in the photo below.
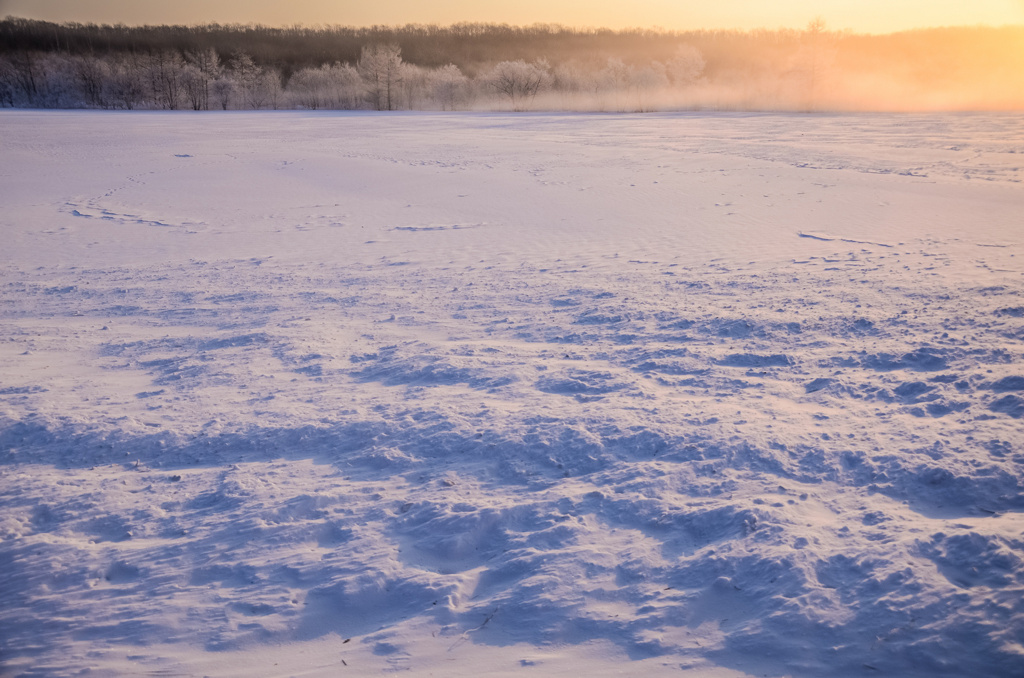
(869, 16)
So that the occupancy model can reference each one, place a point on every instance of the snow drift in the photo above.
(518, 394)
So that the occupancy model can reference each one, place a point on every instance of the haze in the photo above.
(871, 16)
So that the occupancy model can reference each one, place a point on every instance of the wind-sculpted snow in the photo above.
(484, 453)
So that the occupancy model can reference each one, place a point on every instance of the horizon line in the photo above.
(539, 24)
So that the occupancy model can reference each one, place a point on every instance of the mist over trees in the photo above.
(500, 67)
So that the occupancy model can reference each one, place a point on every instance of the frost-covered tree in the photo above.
(91, 75)
(310, 87)
(646, 83)
(345, 89)
(611, 84)
(686, 67)
(126, 87)
(615, 75)
(570, 81)
(246, 74)
(449, 87)
(519, 81)
(202, 68)
(413, 87)
(27, 76)
(224, 90)
(7, 79)
(814, 60)
(56, 83)
(272, 88)
(380, 67)
(197, 89)
(258, 87)
(165, 76)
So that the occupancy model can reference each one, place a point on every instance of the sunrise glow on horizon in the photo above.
(864, 16)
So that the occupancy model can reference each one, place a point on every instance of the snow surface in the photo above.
(523, 395)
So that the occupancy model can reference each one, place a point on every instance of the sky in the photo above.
(865, 16)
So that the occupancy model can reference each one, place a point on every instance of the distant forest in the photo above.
(492, 67)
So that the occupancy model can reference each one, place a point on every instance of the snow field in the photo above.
(292, 393)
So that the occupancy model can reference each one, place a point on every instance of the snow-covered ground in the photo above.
(523, 395)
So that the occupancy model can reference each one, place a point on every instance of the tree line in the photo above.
(467, 66)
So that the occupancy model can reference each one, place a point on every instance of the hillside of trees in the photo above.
(491, 67)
